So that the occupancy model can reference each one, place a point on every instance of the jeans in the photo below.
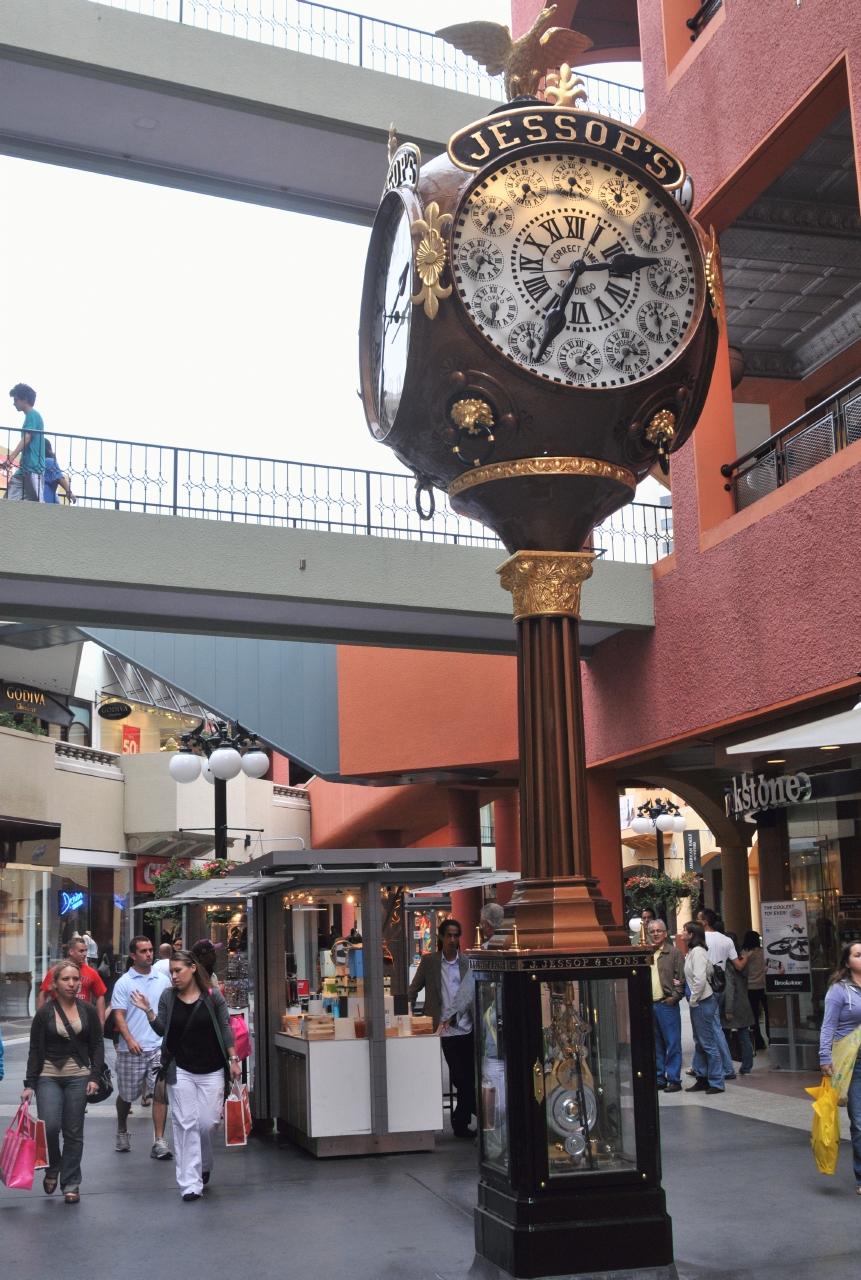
(699, 1067)
(195, 1108)
(459, 1053)
(25, 486)
(668, 1042)
(707, 1059)
(757, 997)
(853, 1106)
(62, 1102)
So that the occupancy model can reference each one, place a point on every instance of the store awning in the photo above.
(471, 880)
(833, 731)
(218, 891)
(35, 843)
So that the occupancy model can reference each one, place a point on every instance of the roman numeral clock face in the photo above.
(526, 229)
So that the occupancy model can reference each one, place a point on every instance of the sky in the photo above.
(143, 313)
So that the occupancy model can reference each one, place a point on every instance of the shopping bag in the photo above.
(825, 1138)
(18, 1154)
(241, 1038)
(246, 1109)
(234, 1119)
(843, 1055)
(41, 1145)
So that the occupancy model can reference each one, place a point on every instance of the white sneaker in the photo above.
(124, 1142)
(160, 1150)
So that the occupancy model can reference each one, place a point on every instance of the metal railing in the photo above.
(155, 479)
(703, 17)
(359, 41)
(810, 439)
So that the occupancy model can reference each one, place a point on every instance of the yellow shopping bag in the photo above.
(843, 1057)
(825, 1138)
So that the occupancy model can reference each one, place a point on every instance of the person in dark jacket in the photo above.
(668, 987)
(197, 1058)
(737, 1015)
(67, 1055)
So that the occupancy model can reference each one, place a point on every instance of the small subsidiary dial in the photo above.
(479, 259)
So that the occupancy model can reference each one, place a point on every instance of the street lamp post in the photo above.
(219, 756)
(654, 818)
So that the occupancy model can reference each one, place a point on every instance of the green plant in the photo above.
(176, 871)
(662, 892)
(27, 724)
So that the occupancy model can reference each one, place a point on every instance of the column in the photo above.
(464, 829)
(506, 821)
(736, 889)
(375, 1008)
(605, 839)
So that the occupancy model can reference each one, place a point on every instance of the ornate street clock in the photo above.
(537, 319)
(539, 328)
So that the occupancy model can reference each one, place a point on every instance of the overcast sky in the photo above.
(144, 313)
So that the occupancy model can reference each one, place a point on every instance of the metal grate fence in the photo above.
(359, 41)
(161, 480)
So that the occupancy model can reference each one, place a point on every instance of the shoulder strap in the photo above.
(73, 1039)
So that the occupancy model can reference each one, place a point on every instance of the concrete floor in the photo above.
(746, 1200)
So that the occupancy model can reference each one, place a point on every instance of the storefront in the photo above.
(325, 1008)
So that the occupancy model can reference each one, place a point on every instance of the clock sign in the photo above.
(544, 268)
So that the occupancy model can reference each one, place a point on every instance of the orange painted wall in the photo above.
(406, 709)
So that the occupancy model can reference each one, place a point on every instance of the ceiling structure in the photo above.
(792, 263)
(612, 26)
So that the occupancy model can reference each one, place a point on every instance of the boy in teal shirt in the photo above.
(28, 482)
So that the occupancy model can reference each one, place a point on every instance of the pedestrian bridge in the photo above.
(190, 103)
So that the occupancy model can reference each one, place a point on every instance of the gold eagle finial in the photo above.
(524, 62)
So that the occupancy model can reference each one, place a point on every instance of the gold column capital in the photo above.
(546, 582)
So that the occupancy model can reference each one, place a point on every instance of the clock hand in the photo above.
(554, 320)
(402, 284)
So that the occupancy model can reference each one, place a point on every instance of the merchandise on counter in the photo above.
(421, 1026)
(319, 1027)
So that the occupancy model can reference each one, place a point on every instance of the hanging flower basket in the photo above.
(662, 892)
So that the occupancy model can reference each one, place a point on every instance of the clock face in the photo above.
(523, 228)
(392, 315)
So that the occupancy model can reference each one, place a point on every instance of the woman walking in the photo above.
(197, 1059)
(67, 1055)
(737, 1012)
(751, 951)
(705, 1024)
(840, 1039)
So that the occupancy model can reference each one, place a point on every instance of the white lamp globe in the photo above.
(255, 763)
(642, 827)
(184, 766)
(665, 822)
(225, 763)
(635, 924)
(206, 772)
(679, 822)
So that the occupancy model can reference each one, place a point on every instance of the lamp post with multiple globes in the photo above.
(219, 756)
(656, 817)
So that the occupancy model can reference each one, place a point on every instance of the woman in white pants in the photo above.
(197, 1059)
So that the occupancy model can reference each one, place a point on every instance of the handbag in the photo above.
(18, 1154)
(105, 1082)
(241, 1038)
(717, 979)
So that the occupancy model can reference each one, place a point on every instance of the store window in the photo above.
(147, 729)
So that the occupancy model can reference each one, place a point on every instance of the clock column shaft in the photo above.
(557, 904)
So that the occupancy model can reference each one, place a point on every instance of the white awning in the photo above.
(469, 880)
(833, 731)
(226, 890)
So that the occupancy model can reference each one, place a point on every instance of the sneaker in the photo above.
(205, 1177)
(674, 1086)
(191, 1195)
(124, 1142)
(160, 1150)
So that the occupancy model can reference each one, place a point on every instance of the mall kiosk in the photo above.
(340, 1074)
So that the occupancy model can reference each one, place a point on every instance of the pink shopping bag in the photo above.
(18, 1155)
(241, 1038)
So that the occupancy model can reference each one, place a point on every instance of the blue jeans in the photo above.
(853, 1106)
(707, 1059)
(746, 1045)
(668, 1042)
(699, 1065)
(61, 1105)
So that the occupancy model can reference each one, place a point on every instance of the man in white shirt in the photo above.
(455, 1028)
(721, 953)
(139, 1049)
(162, 965)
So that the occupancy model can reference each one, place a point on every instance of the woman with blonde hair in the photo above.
(198, 1058)
(64, 1066)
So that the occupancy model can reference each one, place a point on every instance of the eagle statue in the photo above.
(524, 62)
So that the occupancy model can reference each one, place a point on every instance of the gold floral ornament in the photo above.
(564, 89)
(431, 259)
(662, 431)
(546, 582)
(472, 415)
(714, 277)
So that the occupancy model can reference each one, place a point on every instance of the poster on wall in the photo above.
(131, 740)
(785, 947)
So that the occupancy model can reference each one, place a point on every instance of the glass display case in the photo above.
(491, 1051)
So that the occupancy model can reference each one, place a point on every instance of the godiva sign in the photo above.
(21, 699)
(750, 794)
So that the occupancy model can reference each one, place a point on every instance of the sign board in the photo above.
(752, 795)
(20, 699)
(114, 710)
(849, 903)
(693, 853)
(146, 871)
(785, 947)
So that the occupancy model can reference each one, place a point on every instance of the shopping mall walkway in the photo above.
(744, 1193)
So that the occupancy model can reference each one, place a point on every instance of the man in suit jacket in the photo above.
(440, 976)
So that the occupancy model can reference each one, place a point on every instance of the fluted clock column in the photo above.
(558, 902)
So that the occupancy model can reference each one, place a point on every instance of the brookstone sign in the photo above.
(749, 794)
